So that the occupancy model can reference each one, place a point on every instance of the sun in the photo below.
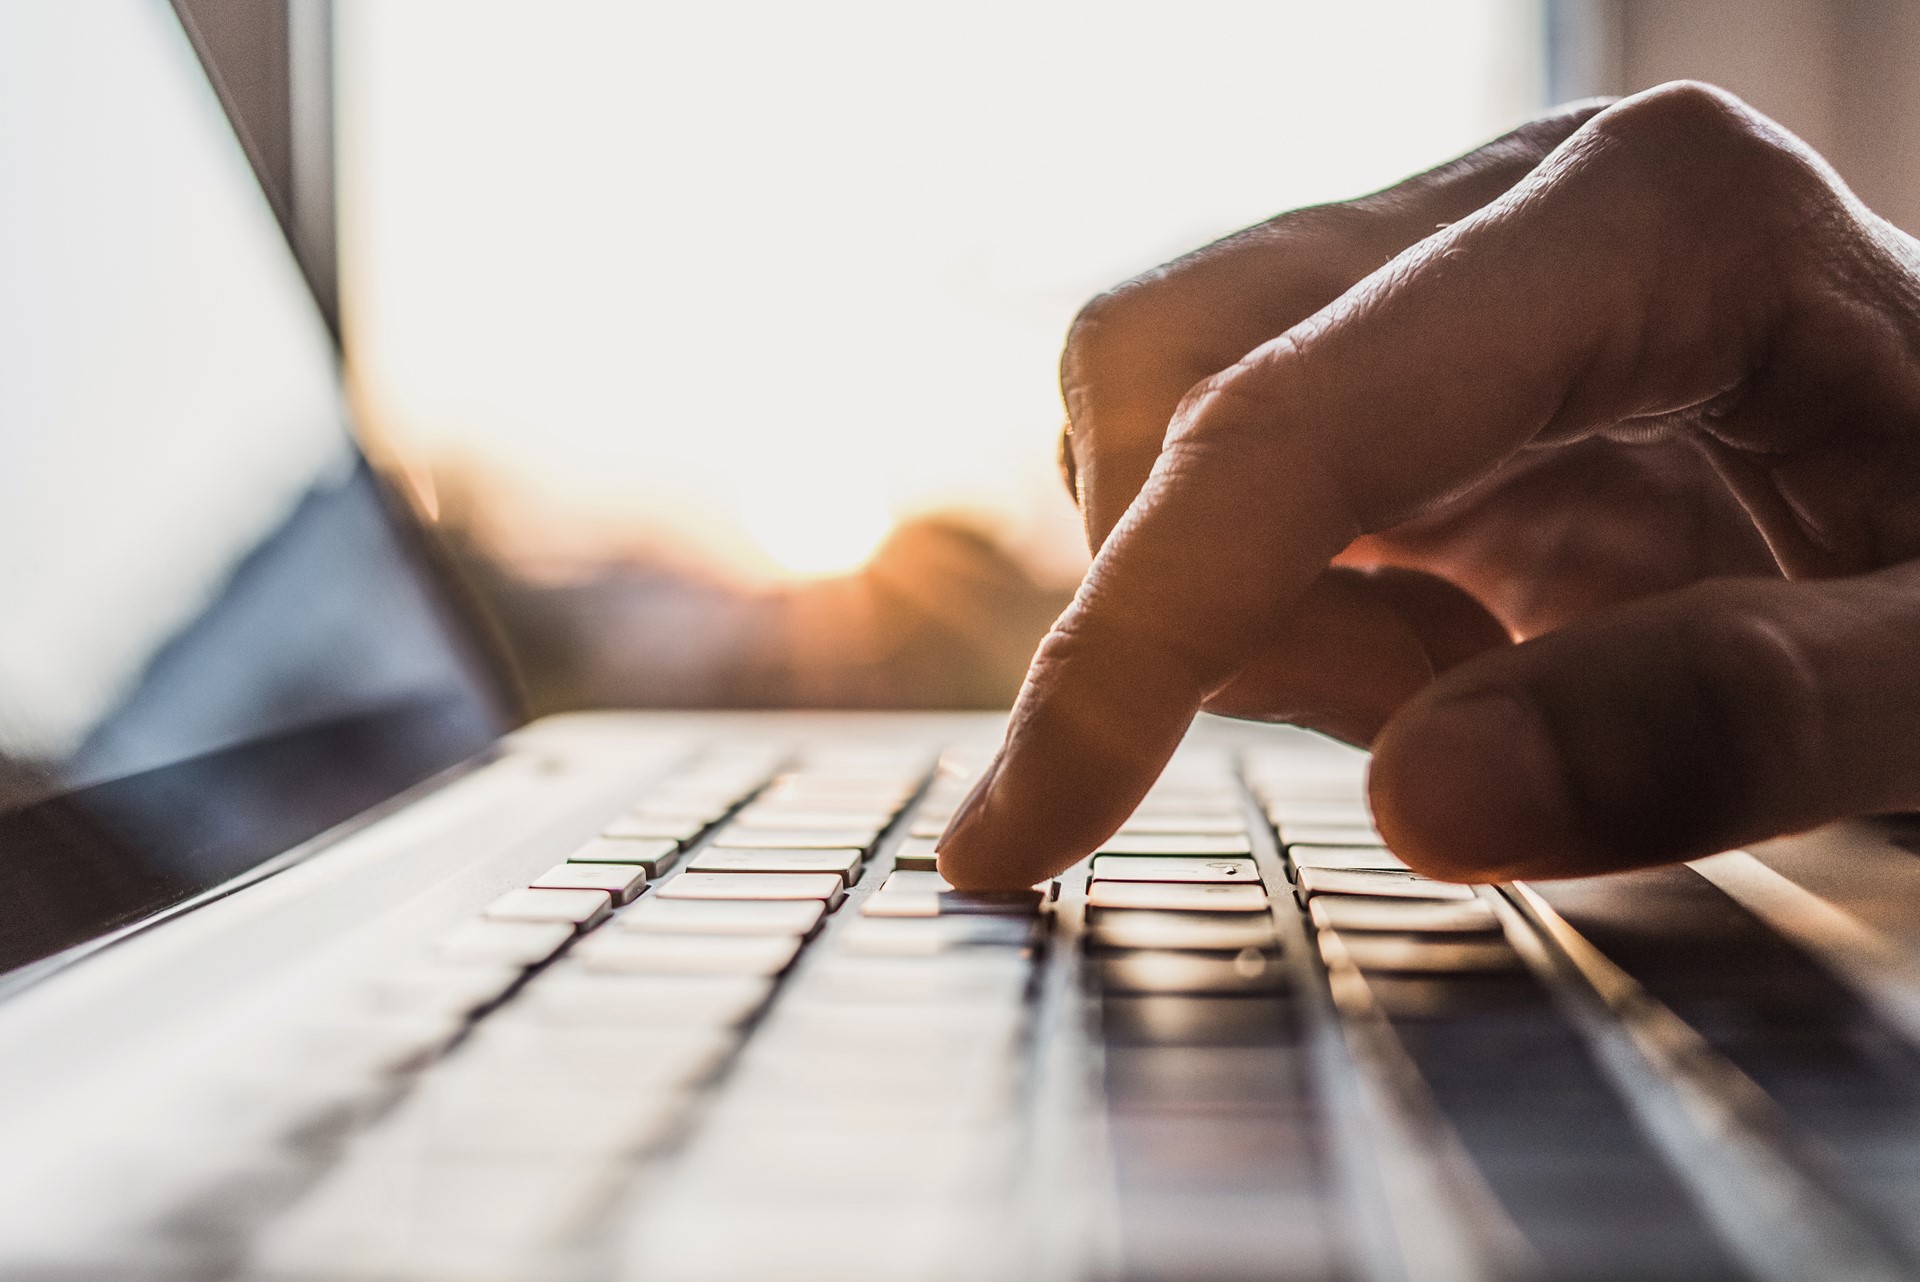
(810, 534)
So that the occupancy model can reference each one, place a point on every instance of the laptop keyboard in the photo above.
(748, 1032)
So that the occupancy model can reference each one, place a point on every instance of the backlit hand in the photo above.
(1636, 387)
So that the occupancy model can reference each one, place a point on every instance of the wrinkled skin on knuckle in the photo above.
(1706, 160)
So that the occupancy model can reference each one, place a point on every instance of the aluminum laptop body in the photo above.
(314, 966)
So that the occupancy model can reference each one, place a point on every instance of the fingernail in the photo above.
(1474, 787)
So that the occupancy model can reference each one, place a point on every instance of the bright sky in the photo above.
(763, 278)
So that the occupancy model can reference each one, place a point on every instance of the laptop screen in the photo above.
(215, 638)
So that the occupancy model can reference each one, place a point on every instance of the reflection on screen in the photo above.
(206, 608)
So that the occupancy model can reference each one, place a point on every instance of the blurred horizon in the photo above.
(755, 284)
(721, 342)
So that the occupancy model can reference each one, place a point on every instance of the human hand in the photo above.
(1637, 387)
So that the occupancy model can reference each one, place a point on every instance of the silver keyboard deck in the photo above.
(748, 1033)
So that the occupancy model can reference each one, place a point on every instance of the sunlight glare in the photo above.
(810, 535)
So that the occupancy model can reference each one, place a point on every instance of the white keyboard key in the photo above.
(1183, 870)
(1354, 912)
(858, 838)
(1147, 843)
(631, 952)
(622, 881)
(1396, 885)
(1376, 857)
(746, 885)
(517, 943)
(795, 917)
(577, 907)
(656, 856)
(843, 863)
(571, 995)
(535, 1052)
(1166, 896)
(443, 988)
(1248, 971)
(1410, 954)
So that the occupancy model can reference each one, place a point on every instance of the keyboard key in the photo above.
(656, 827)
(925, 937)
(934, 883)
(622, 881)
(1212, 932)
(1352, 912)
(654, 855)
(520, 943)
(1344, 814)
(456, 1119)
(797, 838)
(746, 885)
(930, 827)
(1397, 885)
(843, 863)
(1356, 856)
(588, 1057)
(633, 952)
(388, 1213)
(1247, 971)
(623, 999)
(1227, 824)
(581, 907)
(985, 975)
(1167, 897)
(916, 855)
(1174, 1020)
(795, 917)
(1292, 834)
(444, 989)
(785, 816)
(936, 903)
(703, 806)
(1148, 843)
(1411, 953)
(1179, 869)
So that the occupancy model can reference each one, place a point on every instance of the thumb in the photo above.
(1725, 713)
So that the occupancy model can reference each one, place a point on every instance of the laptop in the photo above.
(317, 966)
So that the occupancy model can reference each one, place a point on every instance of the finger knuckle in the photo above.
(1705, 150)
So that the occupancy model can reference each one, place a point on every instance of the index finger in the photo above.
(1603, 286)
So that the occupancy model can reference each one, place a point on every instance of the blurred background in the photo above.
(718, 341)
